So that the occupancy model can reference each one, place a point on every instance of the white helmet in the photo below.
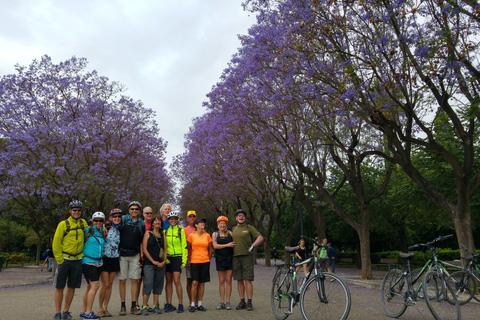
(97, 215)
(172, 214)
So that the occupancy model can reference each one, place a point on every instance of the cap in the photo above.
(191, 212)
(201, 220)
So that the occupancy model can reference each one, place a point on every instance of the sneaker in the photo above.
(123, 311)
(67, 315)
(249, 306)
(221, 305)
(90, 315)
(201, 308)
(156, 310)
(191, 309)
(136, 311)
(144, 311)
(82, 315)
(57, 316)
(180, 308)
(168, 308)
(241, 305)
(100, 313)
(228, 306)
(107, 314)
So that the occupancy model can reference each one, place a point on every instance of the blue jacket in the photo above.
(93, 247)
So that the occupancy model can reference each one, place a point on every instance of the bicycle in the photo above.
(322, 295)
(398, 291)
(465, 282)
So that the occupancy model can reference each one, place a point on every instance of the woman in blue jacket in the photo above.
(91, 262)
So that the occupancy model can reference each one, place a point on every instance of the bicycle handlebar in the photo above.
(474, 254)
(429, 244)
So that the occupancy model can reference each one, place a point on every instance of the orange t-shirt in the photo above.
(199, 247)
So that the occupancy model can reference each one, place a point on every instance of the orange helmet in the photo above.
(222, 218)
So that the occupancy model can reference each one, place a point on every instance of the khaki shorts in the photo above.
(243, 268)
(130, 268)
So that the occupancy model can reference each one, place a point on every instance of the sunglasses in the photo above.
(148, 213)
(117, 216)
(77, 210)
(135, 209)
(97, 220)
(173, 218)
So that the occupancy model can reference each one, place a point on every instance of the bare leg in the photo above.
(178, 286)
(122, 286)
(90, 293)
(135, 289)
(58, 299)
(249, 288)
(221, 284)
(169, 286)
(228, 281)
(241, 289)
(194, 290)
(69, 298)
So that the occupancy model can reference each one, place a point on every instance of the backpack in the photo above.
(69, 228)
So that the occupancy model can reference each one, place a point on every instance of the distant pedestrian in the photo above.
(200, 243)
(68, 251)
(275, 255)
(301, 255)
(243, 269)
(323, 256)
(223, 245)
(48, 260)
(332, 255)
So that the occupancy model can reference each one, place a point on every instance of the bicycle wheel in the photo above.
(326, 297)
(393, 291)
(445, 305)
(281, 290)
(476, 293)
(463, 285)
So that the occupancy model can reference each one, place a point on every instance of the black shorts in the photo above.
(110, 264)
(91, 273)
(69, 273)
(175, 264)
(223, 264)
(200, 272)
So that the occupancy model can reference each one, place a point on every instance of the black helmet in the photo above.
(75, 204)
(240, 211)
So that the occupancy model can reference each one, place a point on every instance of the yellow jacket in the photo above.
(69, 245)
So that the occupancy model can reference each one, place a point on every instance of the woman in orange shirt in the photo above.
(200, 245)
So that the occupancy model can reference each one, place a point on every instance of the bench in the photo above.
(384, 262)
(344, 261)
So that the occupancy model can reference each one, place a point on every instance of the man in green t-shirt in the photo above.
(323, 256)
(243, 236)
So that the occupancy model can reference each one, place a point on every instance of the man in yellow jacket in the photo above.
(67, 248)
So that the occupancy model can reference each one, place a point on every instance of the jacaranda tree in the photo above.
(70, 133)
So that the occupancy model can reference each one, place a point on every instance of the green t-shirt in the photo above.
(243, 238)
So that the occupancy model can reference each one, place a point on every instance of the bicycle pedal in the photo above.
(410, 302)
(288, 312)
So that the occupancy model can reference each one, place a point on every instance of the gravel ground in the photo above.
(27, 292)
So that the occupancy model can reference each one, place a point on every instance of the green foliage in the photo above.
(12, 236)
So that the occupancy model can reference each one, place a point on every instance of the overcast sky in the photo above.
(168, 53)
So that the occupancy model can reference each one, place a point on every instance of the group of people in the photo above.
(151, 252)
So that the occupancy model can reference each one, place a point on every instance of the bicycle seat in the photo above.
(404, 255)
(291, 249)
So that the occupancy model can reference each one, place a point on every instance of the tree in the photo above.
(69, 133)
